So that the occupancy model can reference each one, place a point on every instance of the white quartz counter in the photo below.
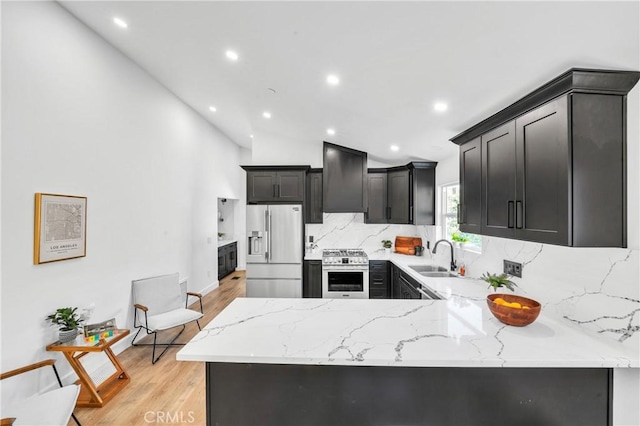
(458, 332)
(222, 243)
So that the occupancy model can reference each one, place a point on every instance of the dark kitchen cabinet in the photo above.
(276, 184)
(399, 197)
(377, 196)
(554, 163)
(227, 259)
(379, 280)
(542, 174)
(470, 207)
(411, 193)
(408, 288)
(344, 179)
(313, 197)
(396, 284)
(499, 180)
(403, 194)
(312, 279)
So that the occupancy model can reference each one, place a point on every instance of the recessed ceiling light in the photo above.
(394, 147)
(266, 114)
(331, 132)
(232, 55)
(333, 79)
(212, 109)
(440, 106)
(251, 136)
(119, 22)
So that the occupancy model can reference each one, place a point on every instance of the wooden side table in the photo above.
(92, 395)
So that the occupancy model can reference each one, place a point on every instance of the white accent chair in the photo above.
(52, 408)
(160, 303)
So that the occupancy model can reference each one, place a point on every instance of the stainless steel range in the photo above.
(345, 274)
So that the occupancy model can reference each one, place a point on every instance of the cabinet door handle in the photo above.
(459, 215)
(274, 190)
(388, 212)
(519, 214)
(410, 214)
(509, 214)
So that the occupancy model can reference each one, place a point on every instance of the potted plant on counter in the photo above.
(496, 281)
(387, 246)
(459, 240)
(67, 321)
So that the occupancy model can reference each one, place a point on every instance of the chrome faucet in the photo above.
(453, 262)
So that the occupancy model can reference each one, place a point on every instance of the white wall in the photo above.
(80, 118)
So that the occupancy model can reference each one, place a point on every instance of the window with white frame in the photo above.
(450, 201)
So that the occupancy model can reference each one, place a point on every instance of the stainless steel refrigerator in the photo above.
(274, 250)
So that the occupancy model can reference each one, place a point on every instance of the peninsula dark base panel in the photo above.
(273, 394)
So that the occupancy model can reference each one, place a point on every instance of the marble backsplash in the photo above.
(593, 288)
(348, 230)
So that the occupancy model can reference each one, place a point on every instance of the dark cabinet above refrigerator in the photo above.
(275, 184)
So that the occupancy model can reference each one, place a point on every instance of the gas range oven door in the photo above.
(345, 282)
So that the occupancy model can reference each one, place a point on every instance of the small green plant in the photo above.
(220, 234)
(386, 244)
(65, 318)
(497, 281)
(459, 238)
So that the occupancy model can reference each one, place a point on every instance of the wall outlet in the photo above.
(513, 268)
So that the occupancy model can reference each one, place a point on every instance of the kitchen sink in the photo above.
(438, 274)
(422, 269)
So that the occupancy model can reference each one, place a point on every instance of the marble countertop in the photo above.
(222, 243)
(458, 332)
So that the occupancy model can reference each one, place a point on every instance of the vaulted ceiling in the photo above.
(395, 60)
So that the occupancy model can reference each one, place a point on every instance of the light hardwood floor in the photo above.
(169, 392)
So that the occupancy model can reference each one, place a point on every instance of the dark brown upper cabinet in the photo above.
(377, 210)
(407, 198)
(275, 184)
(470, 207)
(313, 197)
(553, 164)
(399, 195)
(344, 179)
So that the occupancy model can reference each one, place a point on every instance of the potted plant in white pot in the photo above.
(67, 321)
(387, 246)
(459, 240)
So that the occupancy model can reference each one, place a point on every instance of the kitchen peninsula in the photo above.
(322, 361)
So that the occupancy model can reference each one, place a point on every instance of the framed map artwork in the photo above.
(60, 228)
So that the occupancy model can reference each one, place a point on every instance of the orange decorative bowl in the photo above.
(514, 315)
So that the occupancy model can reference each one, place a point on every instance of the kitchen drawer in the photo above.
(378, 293)
(379, 283)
